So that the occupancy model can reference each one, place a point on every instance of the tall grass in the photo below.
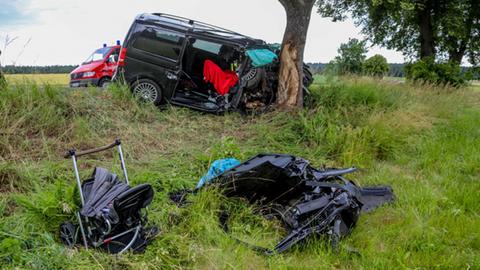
(424, 141)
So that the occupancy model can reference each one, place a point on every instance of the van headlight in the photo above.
(89, 74)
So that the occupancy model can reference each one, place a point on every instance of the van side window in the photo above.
(159, 42)
(207, 46)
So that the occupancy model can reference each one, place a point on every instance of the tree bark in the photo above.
(290, 83)
(456, 54)
(427, 39)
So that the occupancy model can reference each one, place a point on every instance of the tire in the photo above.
(104, 82)
(147, 91)
(307, 76)
(253, 77)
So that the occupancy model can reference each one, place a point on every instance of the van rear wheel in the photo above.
(147, 91)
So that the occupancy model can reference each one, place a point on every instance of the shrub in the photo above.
(376, 66)
(427, 70)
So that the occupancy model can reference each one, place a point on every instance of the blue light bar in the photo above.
(118, 42)
(104, 45)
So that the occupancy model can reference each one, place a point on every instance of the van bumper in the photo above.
(84, 82)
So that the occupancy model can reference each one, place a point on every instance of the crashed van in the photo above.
(170, 59)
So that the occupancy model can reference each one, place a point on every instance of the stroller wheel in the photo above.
(68, 234)
(150, 233)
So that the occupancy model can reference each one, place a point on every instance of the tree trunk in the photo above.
(456, 54)
(427, 39)
(290, 83)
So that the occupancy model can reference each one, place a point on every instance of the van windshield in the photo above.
(98, 55)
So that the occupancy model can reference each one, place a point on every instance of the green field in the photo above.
(53, 79)
(423, 141)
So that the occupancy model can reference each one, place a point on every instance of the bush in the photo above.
(426, 70)
(376, 66)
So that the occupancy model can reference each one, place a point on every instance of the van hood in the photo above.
(87, 67)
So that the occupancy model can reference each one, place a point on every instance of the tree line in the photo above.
(394, 70)
(55, 69)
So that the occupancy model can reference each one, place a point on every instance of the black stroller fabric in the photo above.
(100, 194)
(112, 216)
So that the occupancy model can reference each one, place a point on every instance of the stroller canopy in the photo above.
(100, 192)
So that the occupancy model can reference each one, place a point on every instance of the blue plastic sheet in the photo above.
(217, 168)
(261, 57)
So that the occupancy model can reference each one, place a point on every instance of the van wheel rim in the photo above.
(146, 91)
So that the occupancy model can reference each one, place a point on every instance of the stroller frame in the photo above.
(83, 221)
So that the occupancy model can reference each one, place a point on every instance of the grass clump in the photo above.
(423, 141)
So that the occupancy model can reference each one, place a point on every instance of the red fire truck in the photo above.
(98, 69)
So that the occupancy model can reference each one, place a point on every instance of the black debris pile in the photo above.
(308, 201)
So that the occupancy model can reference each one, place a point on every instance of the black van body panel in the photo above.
(159, 47)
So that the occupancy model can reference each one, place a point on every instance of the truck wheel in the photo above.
(104, 82)
(148, 91)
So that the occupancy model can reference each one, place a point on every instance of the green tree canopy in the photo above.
(442, 29)
(351, 57)
(376, 66)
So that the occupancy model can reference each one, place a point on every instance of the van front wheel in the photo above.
(148, 91)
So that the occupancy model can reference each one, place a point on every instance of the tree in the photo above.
(441, 29)
(351, 57)
(376, 66)
(290, 84)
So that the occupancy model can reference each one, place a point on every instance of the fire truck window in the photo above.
(159, 42)
(98, 55)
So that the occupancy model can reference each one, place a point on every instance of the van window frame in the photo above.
(142, 27)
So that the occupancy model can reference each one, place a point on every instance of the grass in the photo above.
(476, 85)
(422, 140)
(53, 79)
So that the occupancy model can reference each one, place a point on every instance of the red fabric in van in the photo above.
(221, 80)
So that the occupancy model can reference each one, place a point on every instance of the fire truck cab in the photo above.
(98, 69)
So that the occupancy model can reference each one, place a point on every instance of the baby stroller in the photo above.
(111, 215)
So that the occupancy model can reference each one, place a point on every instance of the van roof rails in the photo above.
(199, 26)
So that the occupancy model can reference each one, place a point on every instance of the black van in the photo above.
(164, 59)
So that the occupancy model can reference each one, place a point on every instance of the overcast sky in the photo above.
(66, 32)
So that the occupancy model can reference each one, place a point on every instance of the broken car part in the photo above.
(308, 201)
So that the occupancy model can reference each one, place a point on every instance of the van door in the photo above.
(155, 53)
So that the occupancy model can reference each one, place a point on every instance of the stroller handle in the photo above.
(74, 152)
